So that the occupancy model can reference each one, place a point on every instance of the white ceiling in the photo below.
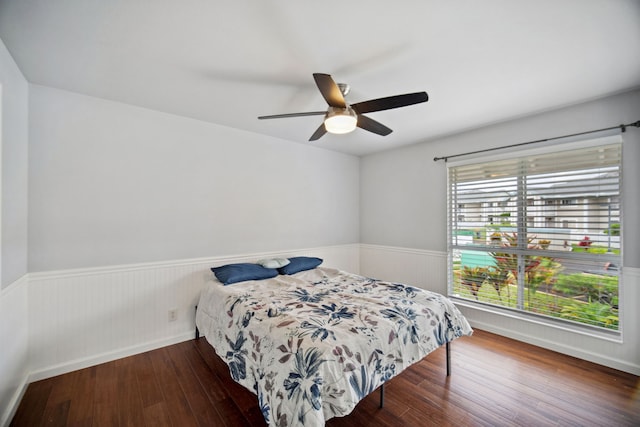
(228, 62)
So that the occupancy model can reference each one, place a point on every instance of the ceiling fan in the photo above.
(341, 117)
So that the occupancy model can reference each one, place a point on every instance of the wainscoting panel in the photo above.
(421, 268)
(14, 360)
(78, 318)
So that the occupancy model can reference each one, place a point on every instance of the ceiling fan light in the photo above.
(340, 120)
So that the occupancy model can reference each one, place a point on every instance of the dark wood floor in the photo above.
(495, 381)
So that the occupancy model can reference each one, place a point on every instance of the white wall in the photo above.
(13, 232)
(14, 140)
(114, 184)
(403, 217)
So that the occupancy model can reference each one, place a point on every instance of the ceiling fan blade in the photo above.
(329, 90)
(371, 125)
(282, 116)
(390, 102)
(318, 133)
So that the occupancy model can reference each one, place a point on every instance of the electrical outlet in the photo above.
(173, 315)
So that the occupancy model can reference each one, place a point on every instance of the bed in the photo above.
(313, 343)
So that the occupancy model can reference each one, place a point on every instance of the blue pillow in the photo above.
(300, 263)
(233, 273)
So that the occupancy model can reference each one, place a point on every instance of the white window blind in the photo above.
(539, 234)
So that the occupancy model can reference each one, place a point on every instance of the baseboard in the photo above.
(12, 407)
(86, 362)
(600, 359)
(14, 338)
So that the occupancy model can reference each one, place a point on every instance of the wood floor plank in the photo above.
(157, 415)
(129, 396)
(57, 409)
(431, 404)
(495, 381)
(242, 398)
(515, 399)
(147, 382)
(367, 413)
(204, 368)
(105, 402)
(216, 389)
(520, 389)
(177, 404)
(31, 409)
(82, 397)
(201, 406)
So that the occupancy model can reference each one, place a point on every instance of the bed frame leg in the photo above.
(448, 349)
(382, 395)
(197, 331)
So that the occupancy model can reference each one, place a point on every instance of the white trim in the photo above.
(399, 249)
(214, 260)
(590, 356)
(73, 365)
(631, 271)
(24, 280)
(18, 376)
(12, 407)
(551, 322)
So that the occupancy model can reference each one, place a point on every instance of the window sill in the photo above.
(564, 325)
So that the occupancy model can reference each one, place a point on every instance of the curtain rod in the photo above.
(623, 128)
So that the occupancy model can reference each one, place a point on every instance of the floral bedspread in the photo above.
(313, 344)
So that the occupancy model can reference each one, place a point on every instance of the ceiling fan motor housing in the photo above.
(344, 88)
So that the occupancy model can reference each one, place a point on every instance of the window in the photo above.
(555, 254)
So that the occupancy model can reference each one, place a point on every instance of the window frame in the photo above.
(522, 224)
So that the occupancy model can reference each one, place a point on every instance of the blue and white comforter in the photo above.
(312, 345)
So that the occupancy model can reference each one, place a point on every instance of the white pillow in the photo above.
(273, 262)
